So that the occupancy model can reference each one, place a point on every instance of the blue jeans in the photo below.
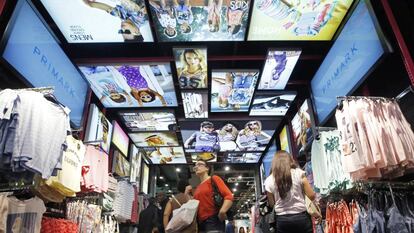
(212, 225)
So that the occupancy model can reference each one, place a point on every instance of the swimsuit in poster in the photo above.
(296, 19)
(302, 126)
(132, 85)
(151, 139)
(99, 129)
(95, 21)
(200, 20)
(195, 104)
(191, 66)
(278, 67)
(232, 91)
(271, 105)
(148, 121)
(235, 135)
(165, 155)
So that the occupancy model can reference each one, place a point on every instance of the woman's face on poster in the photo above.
(192, 59)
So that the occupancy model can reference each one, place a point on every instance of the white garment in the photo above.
(25, 216)
(294, 202)
(41, 131)
(7, 98)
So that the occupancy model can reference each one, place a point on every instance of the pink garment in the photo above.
(95, 170)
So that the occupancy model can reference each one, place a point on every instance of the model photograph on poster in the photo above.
(121, 166)
(232, 91)
(284, 138)
(271, 105)
(99, 129)
(148, 121)
(195, 20)
(278, 67)
(132, 85)
(154, 139)
(302, 126)
(191, 66)
(302, 20)
(165, 155)
(208, 136)
(195, 104)
(120, 139)
(98, 21)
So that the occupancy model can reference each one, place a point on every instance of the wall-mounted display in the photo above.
(195, 104)
(154, 139)
(99, 129)
(166, 155)
(214, 136)
(357, 49)
(135, 161)
(302, 125)
(194, 20)
(145, 179)
(120, 138)
(191, 64)
(137, 121)
(271, 104)
(278, 68)
(296, 20)
(232, 91)
(268, 158)
(94, 21)
(284, 139)
(242, 157)
(33, 52)
(120, 165)
(132, 85)
(206, 156)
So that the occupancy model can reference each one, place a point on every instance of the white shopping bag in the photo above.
(183, 216)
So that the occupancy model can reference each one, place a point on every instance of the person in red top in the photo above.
(210, 218)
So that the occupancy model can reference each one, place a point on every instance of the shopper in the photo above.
(211, 218)
(162, 201)
(230, 226)
(286, 189)
(241, 230)
(148, 218)
(184, 195)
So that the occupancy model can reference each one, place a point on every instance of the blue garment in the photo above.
(229, 228)
(361, 226)
(242, 80)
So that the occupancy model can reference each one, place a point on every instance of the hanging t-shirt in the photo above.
(68, 179)
(41, 130)
(4, 207)
(95, 170)
(25, 216)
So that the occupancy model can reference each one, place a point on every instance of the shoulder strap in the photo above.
(215, 188)
(175, 199)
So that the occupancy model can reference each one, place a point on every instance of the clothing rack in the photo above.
(44, 90)
(404, 93)
(11, 187)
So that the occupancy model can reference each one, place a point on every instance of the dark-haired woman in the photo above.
(286, 188)
(210, 217)
(184, 195)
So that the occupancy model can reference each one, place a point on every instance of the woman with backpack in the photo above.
(210, 216)
(184, 195)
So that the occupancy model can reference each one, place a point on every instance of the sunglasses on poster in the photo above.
(126, 31)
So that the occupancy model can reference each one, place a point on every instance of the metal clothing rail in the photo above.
(404, 93)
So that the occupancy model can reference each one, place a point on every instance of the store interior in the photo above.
(138, 103)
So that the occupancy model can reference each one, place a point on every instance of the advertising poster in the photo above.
(195, 104)
(120, 166)
(152, 139)
(137, 121)
(232, 91)
(132, 85)
(136, 159)
(120, 139)
(242, 157)
(359, 47)
(191, 66)
(166, 155)
(284, 139)
(302, 127)
(271, 105)
(101, 21)
(296, 20)
(206, 156)
(268, 158)
(278, 67)
(34, 53)
(99, 129)
(209, 136)
(145, 179)
(200, 20)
